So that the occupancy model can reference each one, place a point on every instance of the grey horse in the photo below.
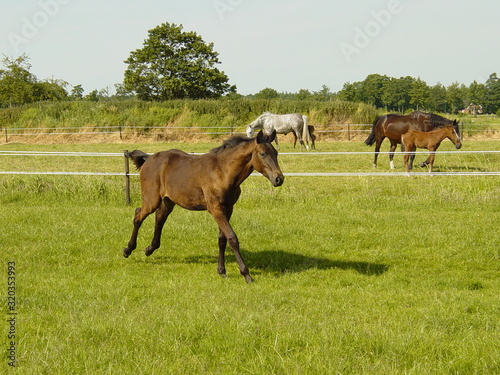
(283, 124)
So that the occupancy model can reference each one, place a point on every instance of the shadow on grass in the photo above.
(449, 168)
(281, 262)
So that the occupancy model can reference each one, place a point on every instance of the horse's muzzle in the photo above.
(278, 181)
(458, 146)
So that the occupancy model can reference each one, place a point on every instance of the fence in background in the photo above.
(126, 172)
(348, 130)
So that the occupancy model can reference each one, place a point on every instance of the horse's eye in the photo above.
(263, 154)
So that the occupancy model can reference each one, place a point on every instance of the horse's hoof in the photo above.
(126, 252)
(248, 279)
(149, 250)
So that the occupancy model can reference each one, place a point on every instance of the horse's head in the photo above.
(258, 123)
(250, 131)
(454, 136)
(265, 158)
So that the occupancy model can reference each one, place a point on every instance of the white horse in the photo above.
(283, 124)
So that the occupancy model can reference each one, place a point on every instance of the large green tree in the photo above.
(174, 64)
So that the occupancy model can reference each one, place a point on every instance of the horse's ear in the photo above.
(272, 137)
(260, 137)
(263, 138)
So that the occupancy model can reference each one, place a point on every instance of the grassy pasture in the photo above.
(354, 275)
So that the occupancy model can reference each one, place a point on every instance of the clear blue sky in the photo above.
(285, 45)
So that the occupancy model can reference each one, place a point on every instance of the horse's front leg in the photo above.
(391, 154)
(221, 266)
(431, 159)
(412, 157)
(277, 145)
(222, 217)
(405, 162)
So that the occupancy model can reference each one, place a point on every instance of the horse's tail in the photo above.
(138, 157)
(306, 137)
(371, 138)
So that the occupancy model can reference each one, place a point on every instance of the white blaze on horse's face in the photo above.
(458, 143)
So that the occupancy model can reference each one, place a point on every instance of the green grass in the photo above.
(354, 275)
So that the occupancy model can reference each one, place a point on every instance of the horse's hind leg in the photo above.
(162, 213)
(221, 267)
(377, 151)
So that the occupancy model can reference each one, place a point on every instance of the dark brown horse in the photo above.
(202, 182)
(429, 140)
(311, 135)
(393, 126)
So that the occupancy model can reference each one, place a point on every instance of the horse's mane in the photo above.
(231, 142)
(438, 121)
(417, 114)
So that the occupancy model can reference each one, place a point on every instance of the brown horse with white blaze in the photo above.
(202, 182)
(429, 140)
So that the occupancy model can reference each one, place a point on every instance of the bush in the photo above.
(236, 113)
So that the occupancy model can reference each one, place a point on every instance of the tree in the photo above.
(477, 93)
(492, 95)
(437, 98)
(16, 81)
(324, 94)
(77, 92)
(267, 93)
(19, 86)
(396, 93)
(419, 94)
(49, 91)
(175, 65)
(350, 92)
(372, 89)
(456, 95)
(303, 94)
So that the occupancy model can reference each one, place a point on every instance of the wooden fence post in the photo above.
(127, 178)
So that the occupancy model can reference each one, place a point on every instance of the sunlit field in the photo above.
(353, 274)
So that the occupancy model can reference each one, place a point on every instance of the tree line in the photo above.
(174, 64)
(401, 94)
